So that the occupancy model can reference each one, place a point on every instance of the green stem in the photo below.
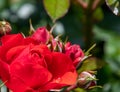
(88, 22)
(87, 29)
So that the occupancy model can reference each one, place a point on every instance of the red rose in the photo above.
(74, 52)
(28, 66)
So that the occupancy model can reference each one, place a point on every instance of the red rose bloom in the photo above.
(28, 66)
(74, 52)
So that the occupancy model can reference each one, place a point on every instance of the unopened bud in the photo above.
(86, 80)
(5, 28)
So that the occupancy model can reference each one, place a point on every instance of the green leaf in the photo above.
(114, 5)
(56, 8)
(90, 63)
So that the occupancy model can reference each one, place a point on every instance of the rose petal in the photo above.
(60, 64)
(13, 53)
(29, 69)
(34, 76)
(15, 39)
(67, 79)
(51, 86)
(29, 40)
(8, 42)
(4, 71)
(43, 49)
(16, 84)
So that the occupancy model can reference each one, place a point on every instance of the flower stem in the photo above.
(87, 29)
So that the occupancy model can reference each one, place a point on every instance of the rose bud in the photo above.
(86, 80)
(41, 35)
(5, 28)
(74, 52)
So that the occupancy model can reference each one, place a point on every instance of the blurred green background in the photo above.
(106, 30)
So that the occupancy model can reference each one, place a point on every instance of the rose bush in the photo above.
(28, 65)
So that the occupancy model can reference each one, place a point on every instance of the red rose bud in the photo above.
(5, 28)
(74, 52)
(86, 80)
(41, 35)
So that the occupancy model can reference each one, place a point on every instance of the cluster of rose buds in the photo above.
(41, 62)
(55, 44)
